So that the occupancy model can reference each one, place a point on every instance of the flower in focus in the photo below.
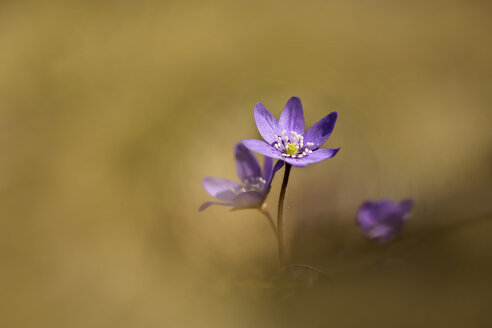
(383, 220)
(286, 139)
(255, 185)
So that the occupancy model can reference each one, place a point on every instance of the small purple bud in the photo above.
(382, 221)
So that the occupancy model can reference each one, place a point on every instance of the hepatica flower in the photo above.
(287, 140)
(383, 220)
(254, 186)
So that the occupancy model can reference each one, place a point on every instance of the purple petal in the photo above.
(248, 199)
(206, 205)
(262, 148)
(315, 157)
(220, 188)
(268, 178)
(266, 123)
(384, 209)
(267, 167)
(319, 132)
(382, 233)
(246, 163)
(292, 118)
(366, 217)
(278, 166)
(405, 207)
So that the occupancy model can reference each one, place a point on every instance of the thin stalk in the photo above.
(264, 209)
(280, 215)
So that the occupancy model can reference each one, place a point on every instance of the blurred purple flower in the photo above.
(286, 139)
(383, 220)
(255, 184)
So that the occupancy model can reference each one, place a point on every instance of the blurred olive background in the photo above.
(111, 112)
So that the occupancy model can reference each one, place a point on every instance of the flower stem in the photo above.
(264, 209)
(280, 214)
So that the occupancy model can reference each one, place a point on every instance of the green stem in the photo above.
(280, 214)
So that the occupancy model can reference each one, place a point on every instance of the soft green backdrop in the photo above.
(111, 112)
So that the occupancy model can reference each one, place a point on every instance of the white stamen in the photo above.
(295, 144)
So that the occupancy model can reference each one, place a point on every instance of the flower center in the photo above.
(292, 146)
(251, 184)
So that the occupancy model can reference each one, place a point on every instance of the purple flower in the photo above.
(286, 139)
(382, 221)
(255, 184)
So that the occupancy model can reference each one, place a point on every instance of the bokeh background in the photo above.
(111, 112)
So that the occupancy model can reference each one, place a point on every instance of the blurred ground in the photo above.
(112, 112)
